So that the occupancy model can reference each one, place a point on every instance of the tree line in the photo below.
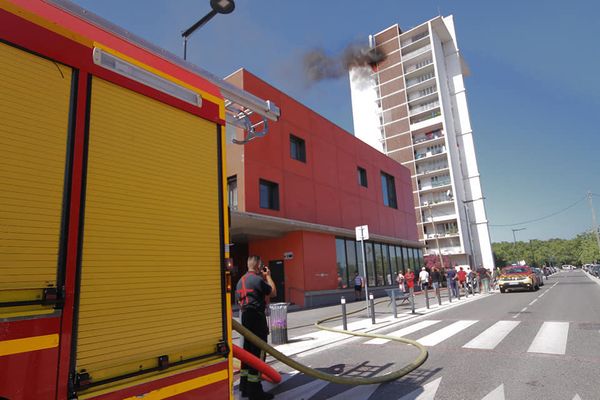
(583, 249)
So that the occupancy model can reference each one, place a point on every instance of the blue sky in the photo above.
(534, 91)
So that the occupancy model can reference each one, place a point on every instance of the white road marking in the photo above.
(427, 392)
(445, 333)
(576, 397)
(491, 337)
(405, 331)
(305, 391)
(533, 301)
(519, 313)
(358, 392)
(551, 338)
(496, 394)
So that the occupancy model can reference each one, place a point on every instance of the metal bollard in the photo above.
(458, 289)
(344, 316)
(426, 297)
(372, 304)
(449, 287)
(394, 306)
(412, 299)
(439, 296)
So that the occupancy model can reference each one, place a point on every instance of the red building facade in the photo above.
(297, 194)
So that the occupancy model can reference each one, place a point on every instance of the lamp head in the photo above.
(222, 6)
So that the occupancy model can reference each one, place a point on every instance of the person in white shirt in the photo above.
(424, 279)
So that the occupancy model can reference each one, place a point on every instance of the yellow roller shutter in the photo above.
(34, 117)
(150, 275)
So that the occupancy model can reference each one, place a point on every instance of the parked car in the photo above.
(539, 275)
(518, 277)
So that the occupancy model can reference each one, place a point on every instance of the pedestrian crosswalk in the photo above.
(491, 337)
(551, 338)
(546, 337)
(439, 336)
(301, 388)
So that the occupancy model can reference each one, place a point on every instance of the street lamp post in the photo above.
(218, 7)
(515, 239)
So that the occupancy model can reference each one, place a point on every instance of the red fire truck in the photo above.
(113, 221)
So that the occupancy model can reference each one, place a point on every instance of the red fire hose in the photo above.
(256, 363)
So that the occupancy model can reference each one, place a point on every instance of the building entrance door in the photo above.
(278, 275)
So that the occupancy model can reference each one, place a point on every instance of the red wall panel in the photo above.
(325, 189)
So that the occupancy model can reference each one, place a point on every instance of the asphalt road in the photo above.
(521, 345)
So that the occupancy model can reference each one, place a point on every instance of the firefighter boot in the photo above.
(255, 391)
(243, 384)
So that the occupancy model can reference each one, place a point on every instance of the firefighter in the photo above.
(251, 294)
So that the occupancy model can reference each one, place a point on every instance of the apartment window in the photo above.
(269, 195)
(232, 193)
(388, 188)
(362, 177)
(297, 148)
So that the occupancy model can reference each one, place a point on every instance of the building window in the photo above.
(389, 190)
(297, 148)
(378, 257)
(342, 264)
(232, 193)
(362, 176)
(269, 195)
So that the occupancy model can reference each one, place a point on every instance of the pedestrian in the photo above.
(484, 278)
(401, 282)
(410, 279)
(461, 276)
(472, 281)
(424, 278)
(436, 278)
(451, 281)
(359, 283)
(251, 293)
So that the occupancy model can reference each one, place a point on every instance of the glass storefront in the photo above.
(383, 261)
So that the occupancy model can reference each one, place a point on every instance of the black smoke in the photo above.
(318, 65)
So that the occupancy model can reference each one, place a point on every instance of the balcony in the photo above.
(435, 203)
(430, 188)
(416, 52)
(421, 155)
(410, 83)
(423, 107)
(436, 112)
(413, 39)
(417, 66)
(424, 96)
(431, 171)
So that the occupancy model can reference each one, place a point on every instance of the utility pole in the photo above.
(515, 240)
(594, 221)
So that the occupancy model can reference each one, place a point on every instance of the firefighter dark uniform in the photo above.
(251, 292)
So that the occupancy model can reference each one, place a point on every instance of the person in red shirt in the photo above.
(410, 279)
(462, 279)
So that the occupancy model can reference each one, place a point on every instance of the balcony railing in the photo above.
(419, 65)
(422, 93)
(440, 183)
(431, 170)
(419, 79)
(433, 114)
(428, 136)
(415, 53)
(414, 38)
(424, 107)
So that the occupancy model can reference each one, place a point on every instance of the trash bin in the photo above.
(278, 323)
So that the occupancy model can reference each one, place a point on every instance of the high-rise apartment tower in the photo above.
(413, 107)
